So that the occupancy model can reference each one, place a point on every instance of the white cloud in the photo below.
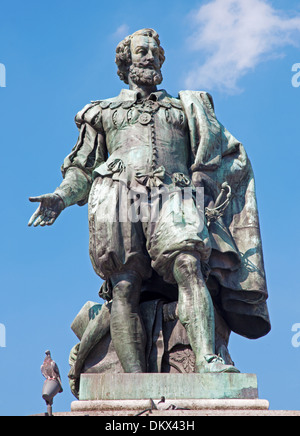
(234, 36)
(121, 32)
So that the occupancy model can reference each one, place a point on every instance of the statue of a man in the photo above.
(144, 138)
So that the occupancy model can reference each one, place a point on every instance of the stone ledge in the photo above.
(181, 413)
(190, 405)
(224, 386)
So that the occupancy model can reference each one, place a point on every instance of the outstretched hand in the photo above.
(51, 205)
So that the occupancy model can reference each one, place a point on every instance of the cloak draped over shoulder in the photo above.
(237, 259)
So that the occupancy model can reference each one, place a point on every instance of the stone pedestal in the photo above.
(138, 392)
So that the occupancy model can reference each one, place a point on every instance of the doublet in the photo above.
(146, 139)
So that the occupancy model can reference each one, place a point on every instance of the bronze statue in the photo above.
(141, 142)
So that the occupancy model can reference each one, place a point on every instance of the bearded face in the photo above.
(145, 75)
(145, 68)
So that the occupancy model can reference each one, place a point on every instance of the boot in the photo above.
(215, 364)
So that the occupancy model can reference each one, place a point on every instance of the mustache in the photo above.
(145, 64)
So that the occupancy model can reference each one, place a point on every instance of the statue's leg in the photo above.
(127, 331)
(195, 306)
(196, 312)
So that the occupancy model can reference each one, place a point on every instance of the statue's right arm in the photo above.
(77, 169)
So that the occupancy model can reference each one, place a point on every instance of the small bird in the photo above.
(50, 370)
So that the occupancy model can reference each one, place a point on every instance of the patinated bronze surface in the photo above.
(203, 256)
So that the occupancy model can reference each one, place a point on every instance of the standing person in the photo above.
(156, 141)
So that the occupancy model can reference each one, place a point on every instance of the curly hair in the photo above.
(123, 52)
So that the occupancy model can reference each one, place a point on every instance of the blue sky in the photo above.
(58, 56)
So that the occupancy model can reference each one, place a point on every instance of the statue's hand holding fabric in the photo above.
(51, 205)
